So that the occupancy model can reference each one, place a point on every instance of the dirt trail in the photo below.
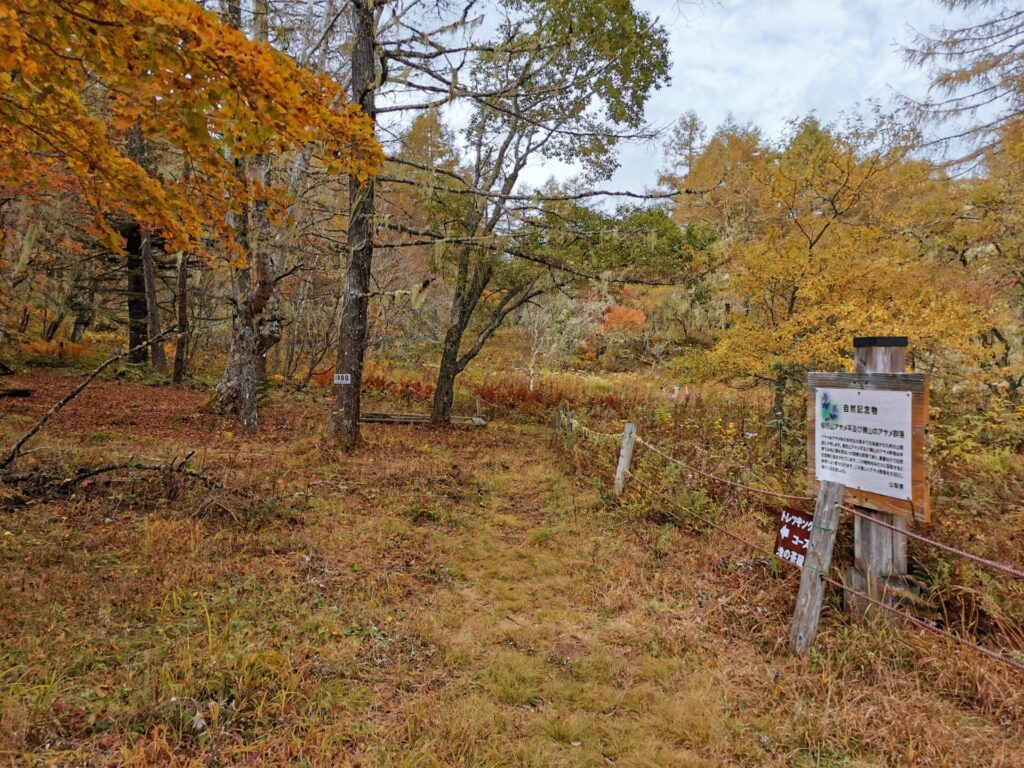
(438, 598)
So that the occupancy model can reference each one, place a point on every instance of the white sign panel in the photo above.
(862, 440)
(343, 378)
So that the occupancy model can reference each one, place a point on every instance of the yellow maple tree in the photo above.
(75, 75)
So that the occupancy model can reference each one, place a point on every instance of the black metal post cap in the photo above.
(879, 341)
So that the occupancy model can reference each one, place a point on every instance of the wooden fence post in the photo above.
(570, 426)
(880, 554)
(816, 564)
(625, 458)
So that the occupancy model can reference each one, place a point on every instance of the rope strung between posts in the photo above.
(956, 551)
(993, 564)
(1008, 569)
(716, 478)
(707, 521)
(910, 619)
(668, 500)
(913, 620)
(576, 424)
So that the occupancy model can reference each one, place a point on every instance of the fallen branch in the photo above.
(16, 449)
(84, 473)
(368, 417)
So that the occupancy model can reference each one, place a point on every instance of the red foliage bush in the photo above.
(506, 393)
(623, 318)
(377, 380)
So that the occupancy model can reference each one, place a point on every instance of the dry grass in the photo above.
(439, 598)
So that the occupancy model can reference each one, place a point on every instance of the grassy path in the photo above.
(440, 598)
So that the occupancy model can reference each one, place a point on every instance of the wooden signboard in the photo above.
(869, 432)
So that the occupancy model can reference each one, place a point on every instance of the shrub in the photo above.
(54, 352)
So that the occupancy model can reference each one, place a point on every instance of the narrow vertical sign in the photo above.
(863, 440)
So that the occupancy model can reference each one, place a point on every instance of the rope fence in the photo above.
(677, 512)
(958, 552)
(938, 631)
(707, 521)
(1010, 570)
(717, 479)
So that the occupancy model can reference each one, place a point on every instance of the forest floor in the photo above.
(439, 597)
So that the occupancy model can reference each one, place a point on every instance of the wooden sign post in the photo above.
(868, 431)
(821, 540)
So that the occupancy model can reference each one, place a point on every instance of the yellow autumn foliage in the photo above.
(817, 246)
(76, 74)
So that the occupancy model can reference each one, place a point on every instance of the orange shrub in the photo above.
(623, 318)
(55, 350)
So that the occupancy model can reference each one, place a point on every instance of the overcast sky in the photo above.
(770, 61)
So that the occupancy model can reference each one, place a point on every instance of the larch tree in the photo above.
(977, 77)
(973, 227)
(814, 250)
(973, 217)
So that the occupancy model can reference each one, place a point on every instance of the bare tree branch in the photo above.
(15, 450)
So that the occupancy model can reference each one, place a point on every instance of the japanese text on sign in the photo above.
(862, 440)
(793, 535)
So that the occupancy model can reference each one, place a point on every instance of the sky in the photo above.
(767, 62)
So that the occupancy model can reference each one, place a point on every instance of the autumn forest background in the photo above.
(214, 554)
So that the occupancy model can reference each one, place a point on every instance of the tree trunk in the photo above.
(236, 391)
(85, 313)
(138, 319)
(779, 413)
(26, 311)
(468, 291)
(268, 324)
(136, 244)
(78, 329)
(343, 424)
(269, 328)
(157, 354)
(51, 329)
(15, 274)
(470, 285)
(181, 345)
(253, 294)
(237, 386)
(444, 391)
